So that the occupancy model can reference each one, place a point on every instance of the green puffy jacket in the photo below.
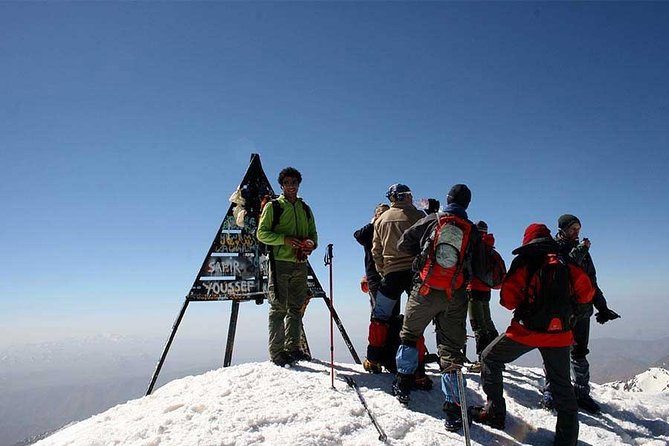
(294, 222)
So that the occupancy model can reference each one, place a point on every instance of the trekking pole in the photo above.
(463, 406)
(382, 435)
(328, 262)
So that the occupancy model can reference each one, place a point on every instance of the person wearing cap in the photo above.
(554, 343)
(394, 267)
(448, 308)
(291, 240)
(569, 227)
(479, 304)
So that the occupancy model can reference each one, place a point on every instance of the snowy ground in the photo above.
(260, 403)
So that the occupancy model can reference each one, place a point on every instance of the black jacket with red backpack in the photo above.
(416, 242)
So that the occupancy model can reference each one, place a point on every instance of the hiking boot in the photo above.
(547, 402)
(299, 355)
(589, 405)
(481, 415)
(282, 359)
(453, 417)
(422, 382)
(402, 388)
(372, 366)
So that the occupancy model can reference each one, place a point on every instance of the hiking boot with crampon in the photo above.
(547, 402)
(402, 388)
(481, 415)
(453, 417)
(422, 382)
(372, 366)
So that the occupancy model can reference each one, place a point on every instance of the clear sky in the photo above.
(125, 127)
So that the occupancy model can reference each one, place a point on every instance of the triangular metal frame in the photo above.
(236, 266)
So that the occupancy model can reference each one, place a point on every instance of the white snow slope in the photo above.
(260, 403)
(654, 380)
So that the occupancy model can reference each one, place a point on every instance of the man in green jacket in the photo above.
(291, 237)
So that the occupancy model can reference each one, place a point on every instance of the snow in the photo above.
(260, 403)
(654, 380)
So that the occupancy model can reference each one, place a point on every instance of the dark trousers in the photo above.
(579, 360)
(480, 319)
(556, 362)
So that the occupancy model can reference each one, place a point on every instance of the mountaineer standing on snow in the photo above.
(547, 293)
(478, 294)
(395, 269)
(569, 227)
(449, 250)
(365, 236)
(287, 226)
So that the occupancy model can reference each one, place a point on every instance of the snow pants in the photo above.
(288, 292)
(556, 362)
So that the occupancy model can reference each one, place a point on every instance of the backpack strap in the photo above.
(277, 210)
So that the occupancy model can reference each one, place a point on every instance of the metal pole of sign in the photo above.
(328, 262)
(232, 329)
(175, 326)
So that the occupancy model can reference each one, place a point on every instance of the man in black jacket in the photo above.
(365, 236)
(569, 227)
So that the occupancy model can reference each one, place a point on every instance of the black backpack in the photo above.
(549, 305)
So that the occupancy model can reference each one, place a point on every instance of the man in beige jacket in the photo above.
(395, 269)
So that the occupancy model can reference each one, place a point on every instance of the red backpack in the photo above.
(444, 267)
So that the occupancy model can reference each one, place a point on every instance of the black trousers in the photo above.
(556, 362)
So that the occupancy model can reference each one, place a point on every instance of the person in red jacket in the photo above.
(478, 294)
(547, 293)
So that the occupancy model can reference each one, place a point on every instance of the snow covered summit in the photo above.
(260, 403)
(654, 380)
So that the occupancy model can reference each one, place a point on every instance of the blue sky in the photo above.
(124, 128)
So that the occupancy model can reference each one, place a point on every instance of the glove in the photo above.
(364, 285)
(606, 315)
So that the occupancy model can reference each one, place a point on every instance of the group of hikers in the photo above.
(447, 265)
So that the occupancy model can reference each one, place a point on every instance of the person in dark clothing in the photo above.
(569, 227)
(447, 306)
(479, 305)
(527, 288)
(432, 206)
(365, 236)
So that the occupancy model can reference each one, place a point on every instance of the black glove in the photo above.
(606, 315)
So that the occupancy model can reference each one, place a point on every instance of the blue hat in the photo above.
(396, 192)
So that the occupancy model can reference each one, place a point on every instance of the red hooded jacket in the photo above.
(513, 294)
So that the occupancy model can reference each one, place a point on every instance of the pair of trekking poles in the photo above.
(351, 382)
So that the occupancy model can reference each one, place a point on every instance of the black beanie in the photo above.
(566, 220)
(459, 194)
(483, 226)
